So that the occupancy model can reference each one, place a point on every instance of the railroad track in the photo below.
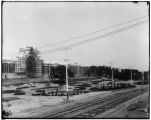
(96, 106)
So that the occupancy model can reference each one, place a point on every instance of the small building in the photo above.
(103, 82)
(120, 83)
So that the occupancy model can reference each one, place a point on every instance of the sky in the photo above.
(40, 24)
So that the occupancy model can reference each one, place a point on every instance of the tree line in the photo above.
(58, 73)
(120, 74)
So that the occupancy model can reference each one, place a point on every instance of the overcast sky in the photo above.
(39, 24)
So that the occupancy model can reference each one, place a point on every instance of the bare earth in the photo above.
(135, 108)
(40, 106)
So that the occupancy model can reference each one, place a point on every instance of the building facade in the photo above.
(79, 71)
(8, 68)
(29, 64)
(20, 66)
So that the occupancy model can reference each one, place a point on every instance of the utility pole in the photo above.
(66, 50)
(142, 78)
(67, 78)
(49, 71)
(112, 76)
(131, 77)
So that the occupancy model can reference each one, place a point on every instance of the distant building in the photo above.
(79, 71)
(75, 69)
(28, 64)
(83, 70)
(8, 68)
(46, 69)
(20, 66)
(33, 65)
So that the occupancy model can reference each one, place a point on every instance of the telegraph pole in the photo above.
(66, 50)
(112, 76)
(67, 78)
(49, 71)
(131, 77)
(142, 78)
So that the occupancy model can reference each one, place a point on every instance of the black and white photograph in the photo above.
(75, 59)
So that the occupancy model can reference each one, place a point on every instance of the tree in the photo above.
(59, 72)
(52, 73)
(116, 73)
(93, 70)
(88, 73)
(70, 73)
(99, 71)
(108, 71)
(146, 77)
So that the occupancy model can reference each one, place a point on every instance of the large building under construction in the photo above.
(29, 64)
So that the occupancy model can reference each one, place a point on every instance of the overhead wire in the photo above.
(60, 42)
(53, 44)
(96, 38)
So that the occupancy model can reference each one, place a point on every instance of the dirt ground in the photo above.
(18, 104)
(137, 108)
(27, 105)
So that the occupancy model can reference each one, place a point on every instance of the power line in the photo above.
(56, 43)
(53, 44)
(98, 37)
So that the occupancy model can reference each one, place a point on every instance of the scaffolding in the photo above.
(29, 63)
